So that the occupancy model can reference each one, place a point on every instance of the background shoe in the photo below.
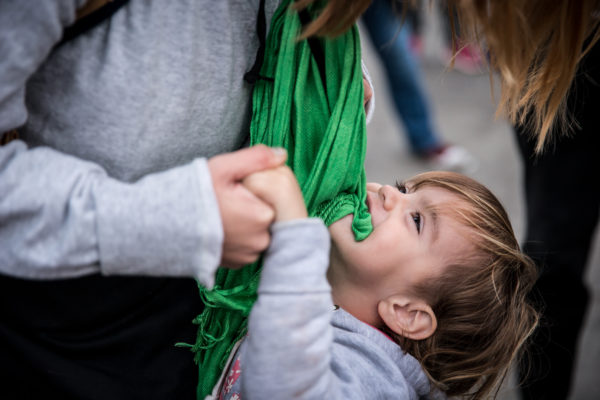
(468, 60)
(416, 45)
(450, 158)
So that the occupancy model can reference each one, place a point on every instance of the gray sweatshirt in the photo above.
(110, 176)
(298, 347)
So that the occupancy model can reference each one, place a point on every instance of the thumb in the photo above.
(253, 159)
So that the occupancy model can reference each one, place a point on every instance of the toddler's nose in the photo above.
(391, 197)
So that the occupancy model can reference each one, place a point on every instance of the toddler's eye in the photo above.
(401, 187)
(417, 218)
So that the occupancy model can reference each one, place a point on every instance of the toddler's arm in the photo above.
(287, 352)
(289, 333)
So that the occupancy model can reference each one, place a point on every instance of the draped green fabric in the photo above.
(322, 126)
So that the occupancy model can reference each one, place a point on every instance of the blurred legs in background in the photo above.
(391, 40)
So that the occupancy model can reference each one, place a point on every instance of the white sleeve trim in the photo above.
(370, 106)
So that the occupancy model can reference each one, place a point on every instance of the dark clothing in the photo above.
(82, 344)
(562, 200)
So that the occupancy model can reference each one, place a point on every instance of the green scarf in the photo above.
(323, 129)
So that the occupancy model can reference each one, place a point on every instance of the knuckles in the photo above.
(264, 215)
(262, 242)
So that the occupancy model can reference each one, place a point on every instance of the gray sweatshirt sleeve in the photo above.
(64, 217)
(61, 216)
(289, 331)
(288, 350)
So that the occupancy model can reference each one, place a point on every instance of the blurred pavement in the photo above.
(464, 113)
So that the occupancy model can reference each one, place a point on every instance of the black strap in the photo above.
(314, 43)
(90, 21)
(261, 29)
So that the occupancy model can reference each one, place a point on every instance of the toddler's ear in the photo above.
(408, 317)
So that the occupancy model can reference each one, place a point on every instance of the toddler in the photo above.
(431, 304)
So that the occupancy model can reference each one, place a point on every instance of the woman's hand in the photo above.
(246, 218)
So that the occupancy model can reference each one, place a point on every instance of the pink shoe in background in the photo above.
(467, 60)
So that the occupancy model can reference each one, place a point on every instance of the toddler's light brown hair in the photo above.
(480, 302)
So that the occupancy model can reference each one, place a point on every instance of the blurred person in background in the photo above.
(390, 37)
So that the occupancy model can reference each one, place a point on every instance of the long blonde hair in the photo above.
(534, 45)
(484, 316)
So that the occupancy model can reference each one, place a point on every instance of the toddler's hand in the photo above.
(245, 217)
(279, 188)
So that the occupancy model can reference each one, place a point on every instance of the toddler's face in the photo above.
(410, 242)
